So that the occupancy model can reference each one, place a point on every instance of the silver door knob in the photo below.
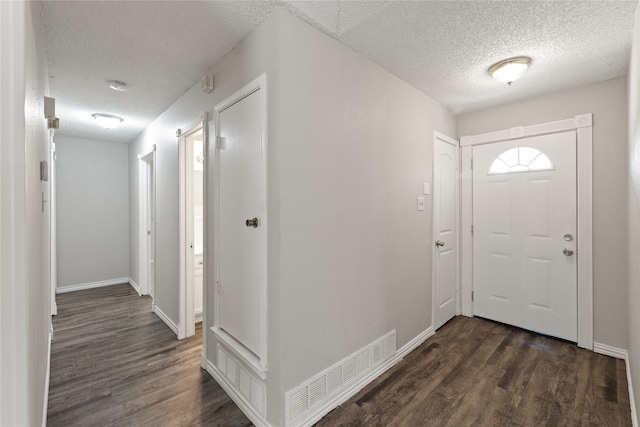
(439, 243)
(253, 222)
(567, 252)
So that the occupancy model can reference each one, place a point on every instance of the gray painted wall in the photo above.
(92, 211)
(355, 147)
(350, 146)
(634, 211)
(608, 103)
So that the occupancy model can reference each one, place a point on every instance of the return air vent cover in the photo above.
(305, 400)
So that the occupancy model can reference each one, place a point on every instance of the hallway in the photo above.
(115, 363)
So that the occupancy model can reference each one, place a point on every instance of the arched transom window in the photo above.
(520, 159)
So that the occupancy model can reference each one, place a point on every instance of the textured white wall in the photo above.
(92, 210)
(25, 305)
(634, 211)
(607, 102)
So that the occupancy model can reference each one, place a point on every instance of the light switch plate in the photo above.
(427, 189)
(420, 203)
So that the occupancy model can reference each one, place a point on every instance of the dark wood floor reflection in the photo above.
(474, 372)
(115, 363)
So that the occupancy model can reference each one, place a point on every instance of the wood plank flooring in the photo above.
(475, 372)
(114, 363)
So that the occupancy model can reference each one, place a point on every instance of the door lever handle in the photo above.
(439, 243)
(253, 222)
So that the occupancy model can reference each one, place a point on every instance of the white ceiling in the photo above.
(443, 48)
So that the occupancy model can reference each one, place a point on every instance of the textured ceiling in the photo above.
(442, 48)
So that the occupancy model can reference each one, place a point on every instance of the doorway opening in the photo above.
(191, 146)
(147, 224)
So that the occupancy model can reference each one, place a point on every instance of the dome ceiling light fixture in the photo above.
(107, 120)
(510, 70)
(119, 86)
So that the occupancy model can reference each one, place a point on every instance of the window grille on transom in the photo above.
(520, 159)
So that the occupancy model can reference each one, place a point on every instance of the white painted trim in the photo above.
(466, 238)
(442, 137)
(167, 321)
(198, 316)
(47, 378)
(186, 314)
(258, 84)
(143, 194)
(582, 124)
(620, 353)
(135, 286)
(237, 398)
(91, 285)
(632, 399)
(350, 391)
(608, 350)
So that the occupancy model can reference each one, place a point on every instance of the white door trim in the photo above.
(583, 124)
(143, 190)
(258, 363)
(444, 138)
(186, 314)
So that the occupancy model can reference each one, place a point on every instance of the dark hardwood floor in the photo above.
(114, 363)
(475, 372)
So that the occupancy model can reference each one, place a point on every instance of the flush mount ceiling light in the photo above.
(107, 121)
(510, 70)
(118, 85)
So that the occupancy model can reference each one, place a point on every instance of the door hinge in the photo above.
(471, 295)
(218, 142)
(472, 229)
(217, 286)
(471, 164)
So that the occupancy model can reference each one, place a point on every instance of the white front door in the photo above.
(445, 219)
(524, 221)
(241, 213)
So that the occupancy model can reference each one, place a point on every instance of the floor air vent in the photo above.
(304, 400)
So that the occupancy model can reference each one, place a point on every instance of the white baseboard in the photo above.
(135, 286)
(619, 353)
(238, 399)
(608, 350)
(349, 392)
(199, 317)
(632, 400)
(165, 319)
(47, 378)
(99, 284)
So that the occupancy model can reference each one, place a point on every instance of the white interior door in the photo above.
(445, 219)
(240, 267)
(524, 221)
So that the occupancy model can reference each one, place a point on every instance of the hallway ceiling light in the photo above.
(107, 121)
(118, 85)
(510, 70)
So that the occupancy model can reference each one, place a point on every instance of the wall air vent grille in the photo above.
(298, 403)
(302, 401)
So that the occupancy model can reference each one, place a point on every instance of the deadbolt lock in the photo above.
(253, 222)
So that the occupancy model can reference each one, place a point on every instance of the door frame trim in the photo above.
(448, 140)
(143, 194)
(186, 312)
(583, 125)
